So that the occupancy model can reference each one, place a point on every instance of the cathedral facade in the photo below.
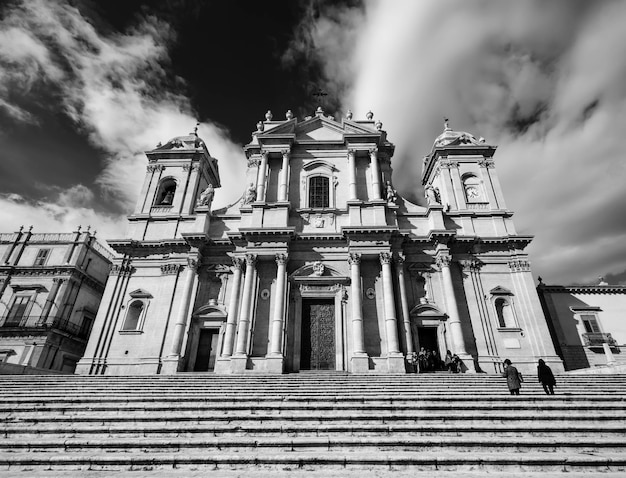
(320, 265)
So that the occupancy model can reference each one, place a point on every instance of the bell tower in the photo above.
(178, 174)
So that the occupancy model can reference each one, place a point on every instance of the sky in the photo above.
(86, 87)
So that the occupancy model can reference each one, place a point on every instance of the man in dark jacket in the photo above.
(546, 377)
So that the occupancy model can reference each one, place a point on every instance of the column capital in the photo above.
(251, 260)
(351, 153)
(193, 264)
(59, 280)
(486, 163)
(265, 154)
(237, 262)
(285, 152)
(354, 258)
(385, 258)
(281, 258)
(373, 151)
(443, 259)
(519, 265)
(471, 265)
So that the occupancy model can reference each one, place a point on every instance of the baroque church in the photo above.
(321, 264)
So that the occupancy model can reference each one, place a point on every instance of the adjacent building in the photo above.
(320, 265)
(586, 323)
(50, 291)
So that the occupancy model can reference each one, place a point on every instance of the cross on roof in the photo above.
(319, 94)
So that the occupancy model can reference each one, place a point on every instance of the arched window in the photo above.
(165, 193)
(505, 313)
(473, 189)
(319, 192)
(133, 315)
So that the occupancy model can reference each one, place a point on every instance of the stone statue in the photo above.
(318, 269)
(431, 195)
(391, 193)
(250, 194)
(167, 199)
(206, 197)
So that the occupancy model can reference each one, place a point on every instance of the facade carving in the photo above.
(319, 227)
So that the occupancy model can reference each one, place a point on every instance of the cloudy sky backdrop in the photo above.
(86, 87)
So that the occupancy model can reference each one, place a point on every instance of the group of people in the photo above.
(430, 361)
(514, 378)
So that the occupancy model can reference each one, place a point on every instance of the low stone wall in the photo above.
(15, 369)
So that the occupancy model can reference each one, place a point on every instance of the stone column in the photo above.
(56, 283)
(375, 173)
(391, 321)
(261, 177)
(233, 308)
(244, 315)
(443, 262)
(359, 360)
(404, 302)
(352, 174)
(183, 308)
(284, 178)
(275, 345)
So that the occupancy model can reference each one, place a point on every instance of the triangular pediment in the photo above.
(140, 294)
(319, 129)
(499, 290)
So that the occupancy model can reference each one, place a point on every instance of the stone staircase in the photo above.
(313, 424)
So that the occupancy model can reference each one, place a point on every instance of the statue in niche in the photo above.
(250, 196)
(206, 197)
(168, 198)
(318, 269)
(391, 194)
(432, 195)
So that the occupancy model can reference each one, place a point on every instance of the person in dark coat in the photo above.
(546, 377)
(513, 377)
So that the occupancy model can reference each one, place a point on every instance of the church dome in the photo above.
(455, 138)
(189, 141)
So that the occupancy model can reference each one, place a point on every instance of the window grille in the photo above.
(319, 192)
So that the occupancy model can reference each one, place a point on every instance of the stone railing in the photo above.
(54, 237)
(31, 324)
(102, 250)
(477, 205)
(597, 339)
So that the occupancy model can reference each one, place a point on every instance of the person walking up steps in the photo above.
(513, 377)
(546, 377)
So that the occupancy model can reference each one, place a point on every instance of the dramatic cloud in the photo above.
(540, 79)
(116, 88)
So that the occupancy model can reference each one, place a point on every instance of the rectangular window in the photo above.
(591, 324)
(319, 192)
(42, 256)
(18, 311)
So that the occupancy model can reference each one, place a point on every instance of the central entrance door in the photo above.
(317, 346)
(207, 350)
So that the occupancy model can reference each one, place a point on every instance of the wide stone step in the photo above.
(330, 461)
(318, 429)
(345, 443)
